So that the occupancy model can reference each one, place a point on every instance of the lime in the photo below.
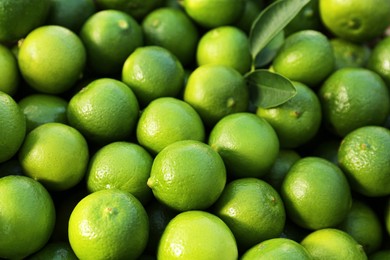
(18, 18)
(277, 248)
(108, 224)
(27, 216)
(51, 59)
(197, 235)
(363, 157)
(311, 204)
(56, 155)
(104, 111)
(167, 120)
(187, 175)
(121, 165)
(253, 211)
(13, 127)
(247, 144)
(109, 37)
(153, 72)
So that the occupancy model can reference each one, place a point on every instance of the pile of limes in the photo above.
(195, 129)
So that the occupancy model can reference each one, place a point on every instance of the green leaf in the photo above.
(271, 21)
(269, 52)
(269, 89)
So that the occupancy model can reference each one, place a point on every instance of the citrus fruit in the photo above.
(159, 217)
(187, 175)
(284, 160)
(363, 224)
(311, 204)
(277, 248)
(349, 54)
(306, 56)
(55, 251)
(296, 121)
(9, 70)
(136, 8)
(358, 21)
(253, 211)
(108, 224)
(225, 45)
(216, 91)
(167, 120)
(331, 243)
(43, 108)
(51, 59)
(18, 18)
(56, 155)
(13, 127)
(352, 98)
(109, 37)
(379, 59)
(153, 72)
(214, 13)
(166, 27)
(363, 157)
(247, 144)
(27, 216)
(121, 165)
(197, 235)
(70, 13)
(104, 111)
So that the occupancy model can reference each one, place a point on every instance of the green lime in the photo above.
(197, 235)
(13, 127)
(166, 27)
(109, 37)
(104, 111)
(121, 165)
(153, 72)
(247, 144)
(277, 248)
(18, 18)
(187, 175)
(108, 224)
(358, 21)
(252, 209)
(225, 45)
(27, 216)
(216, 91)
(352, 98)
(331, 243)
(9, 71)
(51, 59)
(214, 13)
(167, 120)
(56, 155)
(363, 157)
(306, 56)
(311, 204)
(296, 121)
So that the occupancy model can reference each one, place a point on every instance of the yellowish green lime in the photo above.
(27, 216)
(197, 235)
(108, 224)
(167, 120)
